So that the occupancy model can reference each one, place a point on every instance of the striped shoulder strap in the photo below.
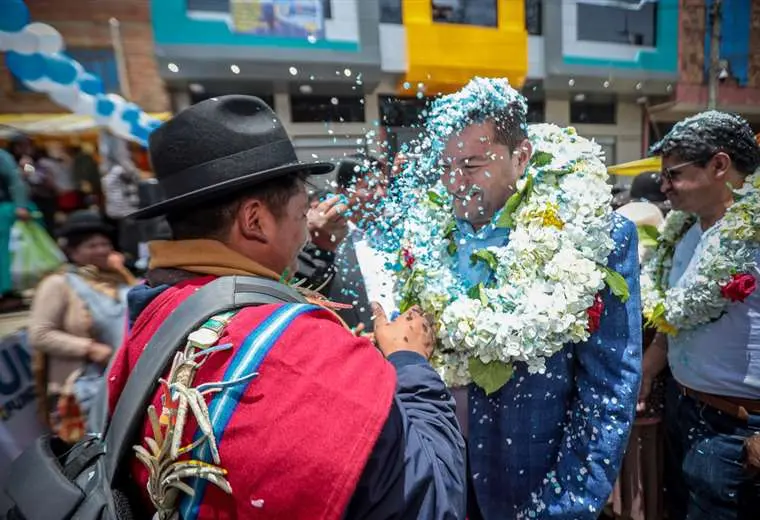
(240, 372)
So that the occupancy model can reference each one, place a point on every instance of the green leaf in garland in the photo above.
(505, 219)
(490, 376)
(616, 283)
(486, 256)
(435, 198)
(540, 159)
(657, 314)
(408, 296)
(648, 235)
(450, 228)
(478, 292)
(448, 234)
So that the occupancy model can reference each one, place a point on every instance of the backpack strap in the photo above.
(221, 295)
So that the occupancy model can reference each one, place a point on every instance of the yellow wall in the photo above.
(445, 56)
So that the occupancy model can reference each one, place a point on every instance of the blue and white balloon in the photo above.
(61, 69)
(49, 40)
(68, 97)
(90, 84)
(85, 105)
(26, 67)
(34, 54)
(44, 85)
(15, 15)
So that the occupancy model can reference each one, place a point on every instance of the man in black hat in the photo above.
(328, 428)
(359, 270)
(647, 187)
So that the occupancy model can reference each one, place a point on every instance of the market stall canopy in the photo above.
(633, 168)
(52, 124)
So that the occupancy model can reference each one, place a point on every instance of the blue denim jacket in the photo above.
(549, 446)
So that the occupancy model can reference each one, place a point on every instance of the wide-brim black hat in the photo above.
(84, 222)
(218, 147)
(646, 186)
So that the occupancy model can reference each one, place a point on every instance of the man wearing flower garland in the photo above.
(699, 290)
(510, 251)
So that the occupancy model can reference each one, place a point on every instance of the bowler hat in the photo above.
(646, 186)
(218, 147)
(84, 222)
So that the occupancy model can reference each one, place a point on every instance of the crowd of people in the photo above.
(48, 182)
(329, 406)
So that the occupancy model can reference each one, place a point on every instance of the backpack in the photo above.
(54, 480)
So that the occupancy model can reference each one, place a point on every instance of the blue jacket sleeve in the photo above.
(607, 377)
(434, 467)
(416, 469)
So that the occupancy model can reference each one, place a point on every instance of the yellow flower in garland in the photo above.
(656, 318)
(549, 216)
(663, 326)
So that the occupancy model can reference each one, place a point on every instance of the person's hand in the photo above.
(752, 449)
(327, 223)
(23, 214)
(99, 353)
(116, 261)
(646, 389)
(412, 331)
(398, 164)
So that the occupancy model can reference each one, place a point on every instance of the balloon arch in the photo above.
(35, 55)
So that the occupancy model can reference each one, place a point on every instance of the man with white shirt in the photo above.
(713, 405)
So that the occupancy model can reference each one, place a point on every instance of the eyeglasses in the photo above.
(672, 173)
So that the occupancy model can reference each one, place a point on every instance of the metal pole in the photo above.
(121, 62)
(715, 19)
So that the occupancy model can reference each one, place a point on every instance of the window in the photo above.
(593, 112)
(609, 149)
(533, 17)
(209, 6)
(536, 112)
(321, 109)
(396, 111)
(390, 11)
(100, 62)
(634, 25)
(326, 9)
(469, 12)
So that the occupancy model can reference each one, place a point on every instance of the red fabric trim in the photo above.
(303, 431)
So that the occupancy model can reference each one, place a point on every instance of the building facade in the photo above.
(738, 75)
(621, 71)
(89, 38)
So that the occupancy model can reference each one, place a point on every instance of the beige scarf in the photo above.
(209, 257)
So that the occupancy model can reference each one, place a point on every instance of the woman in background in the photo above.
(14, 204)
(77, 320)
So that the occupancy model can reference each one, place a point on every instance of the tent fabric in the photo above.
(52, 124)
(633, 168)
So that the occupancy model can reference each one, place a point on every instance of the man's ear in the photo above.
(523, 153)
(721, 163)
(254, 220)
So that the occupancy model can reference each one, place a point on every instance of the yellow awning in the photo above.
(633, 168)
(52, 124)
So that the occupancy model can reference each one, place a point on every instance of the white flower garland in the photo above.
(545, 279)
(730, 250)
